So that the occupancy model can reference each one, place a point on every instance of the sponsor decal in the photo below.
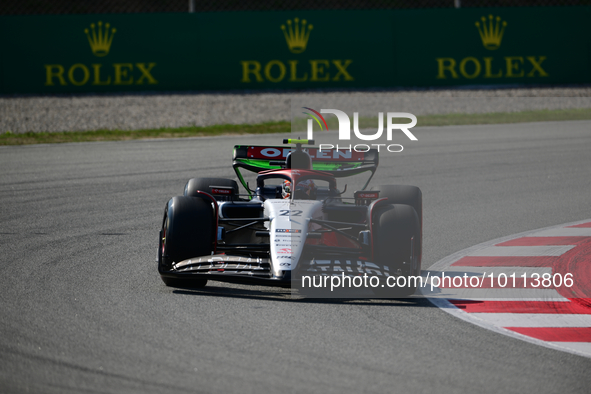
(299, 203)
(300, 68)
(297, 36)
(348, 267)
(284, 251)
(100, 38)
(260, 152)
(367, 195)
(491, 31)
(216, 258)
(221, 191)
(220, 262)
(280, 153)
(287, 230)
(491, 34)
(100, 41)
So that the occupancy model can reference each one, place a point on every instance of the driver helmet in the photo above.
(286, 189)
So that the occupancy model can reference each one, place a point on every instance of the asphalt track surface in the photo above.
(84, 310)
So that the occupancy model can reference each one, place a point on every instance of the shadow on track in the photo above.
(284, 295)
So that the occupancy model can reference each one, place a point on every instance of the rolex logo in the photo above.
(100, 38)
(491, 32)
(296, 35)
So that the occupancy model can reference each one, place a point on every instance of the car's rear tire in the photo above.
(187, 231)
(396, 240)
(204, 185)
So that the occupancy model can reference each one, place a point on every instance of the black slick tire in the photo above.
(396, 242)
(187, 231)
(407, 195)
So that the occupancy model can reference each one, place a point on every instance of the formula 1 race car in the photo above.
(295, 222)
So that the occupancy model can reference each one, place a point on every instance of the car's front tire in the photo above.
(407, 195)
(396, 242)
(187, 231)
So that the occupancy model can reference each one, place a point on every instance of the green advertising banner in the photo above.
(295, 50)
(97, 53)
(494, 46)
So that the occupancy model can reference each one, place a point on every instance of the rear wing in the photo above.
(338, 162)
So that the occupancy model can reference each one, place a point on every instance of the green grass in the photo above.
(122, 135)
(468, 119)
(9, 138)
(505, 117)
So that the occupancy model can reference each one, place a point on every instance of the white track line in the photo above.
(574, 347)
(534, 319)
(563, 232)
(510, 251)
(506, 294)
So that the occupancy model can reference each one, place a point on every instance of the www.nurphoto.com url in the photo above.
(500, 280)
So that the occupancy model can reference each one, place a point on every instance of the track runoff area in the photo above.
(534, 286)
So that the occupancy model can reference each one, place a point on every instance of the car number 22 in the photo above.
(286, 212)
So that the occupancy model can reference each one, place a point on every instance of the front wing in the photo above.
(257, 270)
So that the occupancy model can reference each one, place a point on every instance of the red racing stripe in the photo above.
(544, 241)
(545, 307)
(584, 225)
(494, 283)
(556, 334)
(576, 262)
(506, 261)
